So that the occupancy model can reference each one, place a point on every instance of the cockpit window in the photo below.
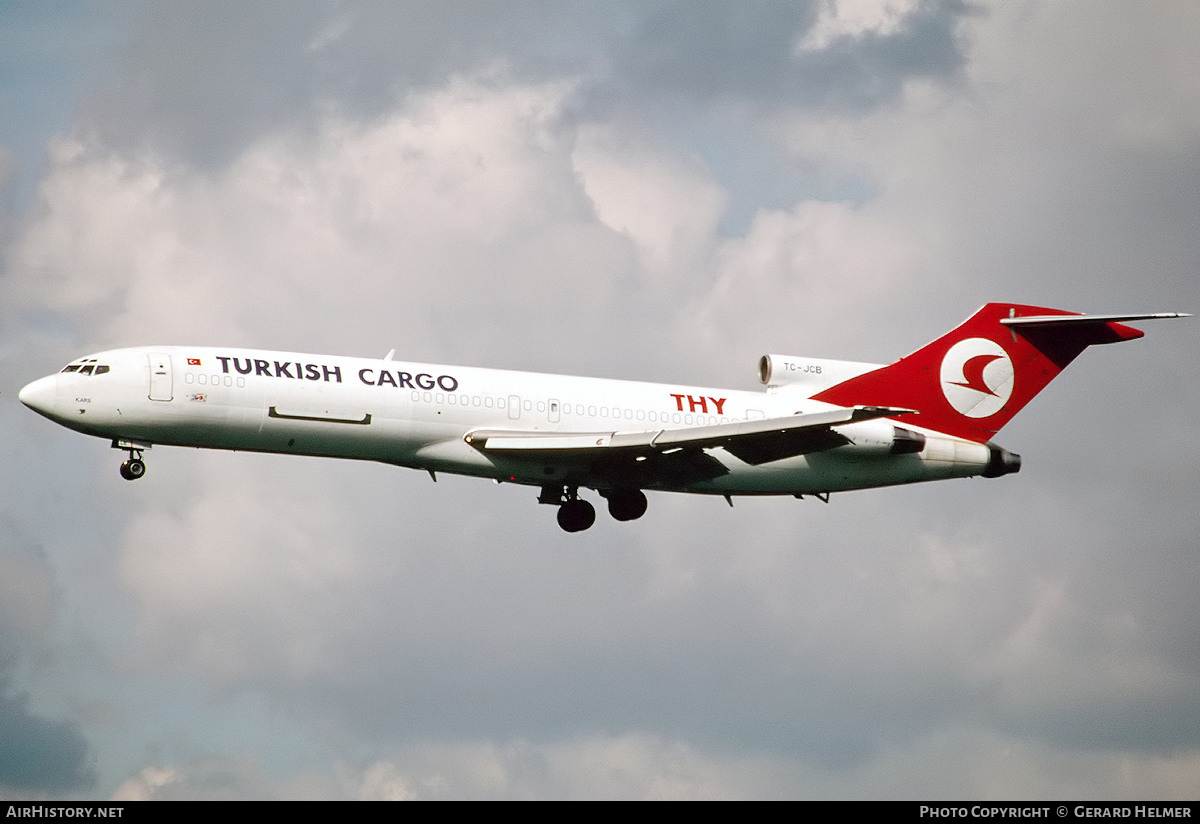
(87, 366)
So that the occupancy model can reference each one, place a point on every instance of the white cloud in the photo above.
(854, 18)
(242, 574)
(802, 281)
(957, 762)
(614, 767)
(144, 785)
(458, 210)
(383, 782)
(669, 209)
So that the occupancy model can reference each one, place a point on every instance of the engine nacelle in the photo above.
(814, 373)
(882, 437)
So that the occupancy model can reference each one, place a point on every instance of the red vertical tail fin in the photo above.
(971, 381)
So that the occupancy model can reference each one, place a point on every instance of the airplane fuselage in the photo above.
(419, 415)
(820, 426)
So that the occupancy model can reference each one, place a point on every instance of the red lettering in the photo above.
(697, 402)
(720, 404)
(678, 402)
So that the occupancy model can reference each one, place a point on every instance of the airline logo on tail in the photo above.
(977, 377)
(976, 392)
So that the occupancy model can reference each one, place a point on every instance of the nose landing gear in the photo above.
(134, 467)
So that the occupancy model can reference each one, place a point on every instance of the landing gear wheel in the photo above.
(627, 504)
(133, 469)
(576, 515)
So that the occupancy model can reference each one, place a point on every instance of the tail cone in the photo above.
(1001, 462)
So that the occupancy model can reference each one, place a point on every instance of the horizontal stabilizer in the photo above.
(1057, 331)
(1065, 320)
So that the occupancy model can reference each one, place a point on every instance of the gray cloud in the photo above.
(726, 51)
(203, 84)
(41, 754)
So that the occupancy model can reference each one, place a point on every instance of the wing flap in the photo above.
(794, 435)
(727, 434)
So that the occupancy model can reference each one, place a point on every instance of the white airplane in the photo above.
(821, 426)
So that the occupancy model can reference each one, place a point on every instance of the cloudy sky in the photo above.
(647, 190)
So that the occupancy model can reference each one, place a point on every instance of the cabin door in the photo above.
(161, 388)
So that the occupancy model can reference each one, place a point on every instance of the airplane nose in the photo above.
(40, 394)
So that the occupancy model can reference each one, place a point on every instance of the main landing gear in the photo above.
(575, 514)
(135, 467)
(626, 504)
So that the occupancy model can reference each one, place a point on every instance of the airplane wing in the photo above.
(670, 456)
